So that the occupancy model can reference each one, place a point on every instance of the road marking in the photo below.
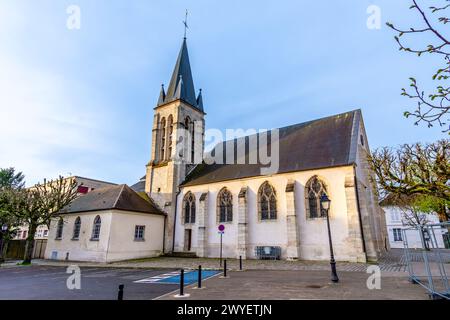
(190, 277)
(159, 277)
(187, 286)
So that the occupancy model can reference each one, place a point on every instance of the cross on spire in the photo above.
(185, 24)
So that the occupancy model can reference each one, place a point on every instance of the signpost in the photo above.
(221, 232)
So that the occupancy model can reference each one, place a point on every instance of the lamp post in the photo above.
(325, 204)
(4, 228)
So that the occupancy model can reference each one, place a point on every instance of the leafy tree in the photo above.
(412, 170)
(415, 208)
(434, 107)
(10, 183)
(39, 204)
(10, 179)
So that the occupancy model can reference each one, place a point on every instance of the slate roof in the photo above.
(120, 197)
(139, 186)
(322, 143)
(181, 86)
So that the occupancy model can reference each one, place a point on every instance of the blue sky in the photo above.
(81, 101)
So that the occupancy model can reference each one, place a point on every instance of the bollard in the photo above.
(120, 293)
(199, 277)
(240, 263)
(182, 283)
(225, 268)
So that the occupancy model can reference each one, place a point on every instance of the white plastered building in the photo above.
(107, 224)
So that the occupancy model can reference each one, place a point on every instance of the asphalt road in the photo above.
(50, 283)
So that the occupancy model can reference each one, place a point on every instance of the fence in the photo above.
(16, 249)
(427, 265)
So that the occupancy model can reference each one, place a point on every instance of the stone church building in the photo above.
(264, 206)
(281, 209)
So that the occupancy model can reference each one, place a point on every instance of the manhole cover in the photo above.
(314, 286)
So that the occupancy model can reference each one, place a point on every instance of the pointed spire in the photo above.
(162, 96)
(182, 71)
(200, 101)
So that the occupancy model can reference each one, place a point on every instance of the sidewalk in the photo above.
(233, 264)
(293, 285)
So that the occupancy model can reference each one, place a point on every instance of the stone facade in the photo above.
(291, 223)
(202, 236)
(298, 235)
(164, 175)
(242, 223)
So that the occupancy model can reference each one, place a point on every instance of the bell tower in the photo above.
(177, 139)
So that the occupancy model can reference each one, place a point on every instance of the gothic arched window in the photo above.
(169, 136)
(187, 137)
(96, 228)
(189, 208)
(163, 138)
(76, 229)
(59, 228)
(225, 206)
(267, 202)
(193, 142)
(314, 190)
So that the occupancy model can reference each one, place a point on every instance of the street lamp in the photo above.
(325, 204)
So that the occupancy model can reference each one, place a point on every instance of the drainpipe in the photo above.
(359, 212)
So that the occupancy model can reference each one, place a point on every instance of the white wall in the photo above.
(116, 240)
(313, 237)
(83, 249)
(122, 245)
(394, 221)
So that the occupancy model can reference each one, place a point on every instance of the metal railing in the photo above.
(426, 264)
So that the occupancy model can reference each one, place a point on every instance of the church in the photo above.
(257, 204)
(278, 209)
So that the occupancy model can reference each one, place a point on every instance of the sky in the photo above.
(79, 101)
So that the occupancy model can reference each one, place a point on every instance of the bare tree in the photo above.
(412, 216)
(41, 203)
(434, 107)
(417, 169)
(413, 213)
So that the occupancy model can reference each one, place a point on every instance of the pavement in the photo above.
(50, 283)
(300, 285)
(390, 262)
(261, 279)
